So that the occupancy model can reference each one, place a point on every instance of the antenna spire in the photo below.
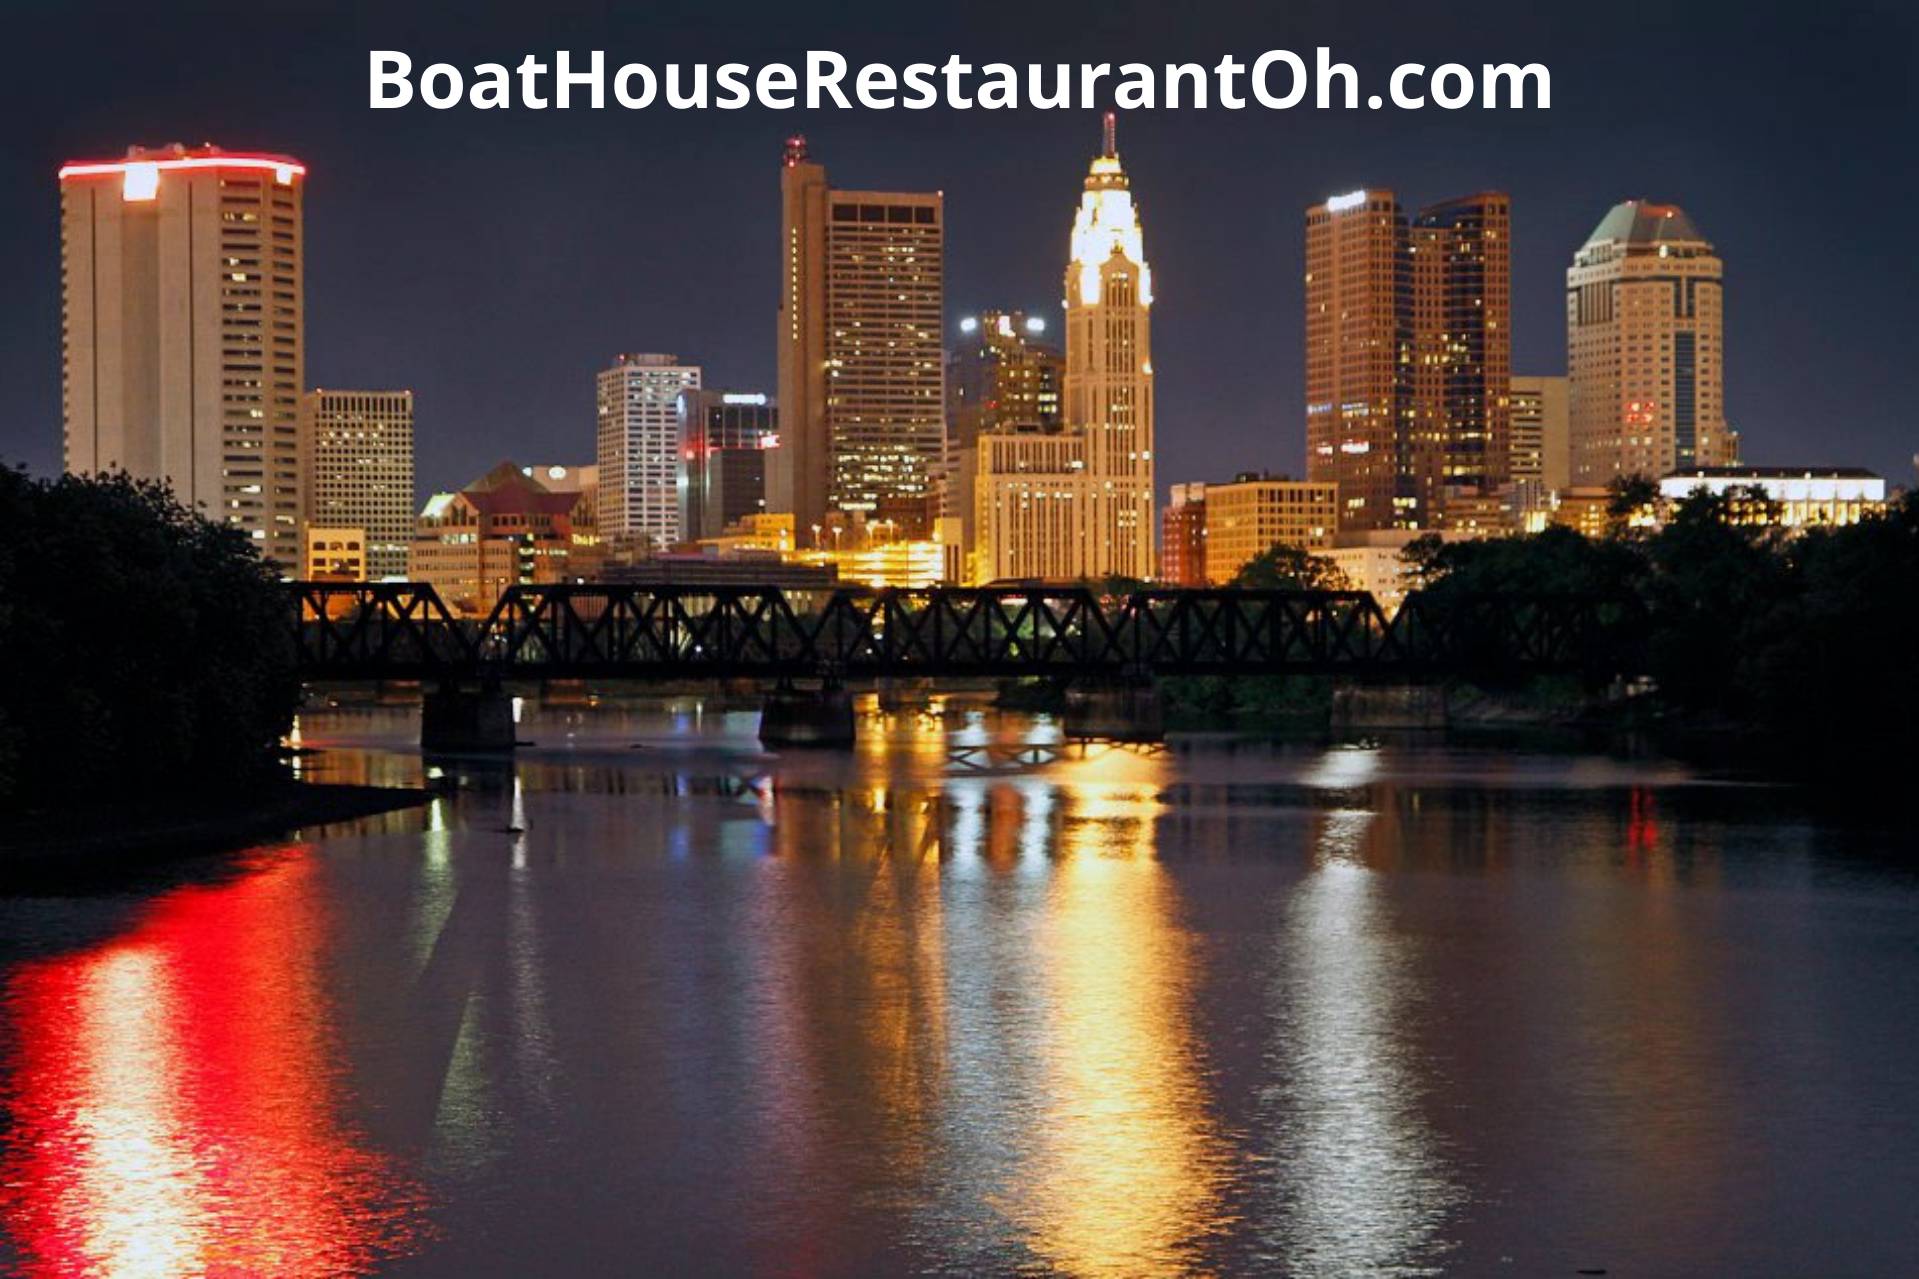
(1111, 135)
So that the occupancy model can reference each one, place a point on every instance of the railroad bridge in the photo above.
(1093, 640)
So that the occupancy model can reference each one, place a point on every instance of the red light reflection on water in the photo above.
(175, 1099)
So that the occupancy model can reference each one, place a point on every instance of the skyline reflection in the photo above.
(969, 999)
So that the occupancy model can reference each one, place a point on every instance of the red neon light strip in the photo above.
(78, 169)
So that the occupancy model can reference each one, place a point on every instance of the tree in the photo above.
(147, 648)
(1632, 502)
(1288, 568)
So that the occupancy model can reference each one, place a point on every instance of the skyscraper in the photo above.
(1461, 254)
(1080, 504)
(1002, 376)
(1645, 347)
(639, 449)
(1408, 354)
(725, 439)
(860, 349)
(182, 282)
(359, 470)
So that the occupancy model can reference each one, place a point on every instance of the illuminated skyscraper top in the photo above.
(1107, 223)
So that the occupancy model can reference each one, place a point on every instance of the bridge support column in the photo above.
(800, 717)
(459, 721)
(1117, 710)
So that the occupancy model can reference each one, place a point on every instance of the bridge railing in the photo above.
(404, 630)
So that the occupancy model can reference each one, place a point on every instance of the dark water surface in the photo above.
(970, 1001)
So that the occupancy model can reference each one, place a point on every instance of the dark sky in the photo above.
(492, 261)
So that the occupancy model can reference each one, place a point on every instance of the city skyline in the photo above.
(536, 320)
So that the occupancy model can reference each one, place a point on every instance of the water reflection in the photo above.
(175, 1104)
(1357, 1183)
(967, 1000)
(1126, 1164)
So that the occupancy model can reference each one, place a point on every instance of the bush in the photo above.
(147, 653)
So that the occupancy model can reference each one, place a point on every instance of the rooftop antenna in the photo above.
(1112, 141)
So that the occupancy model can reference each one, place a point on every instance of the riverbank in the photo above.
(116, 835)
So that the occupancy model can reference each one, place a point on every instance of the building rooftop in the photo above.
(1775, 473)
(176, 155)
(1643, 222)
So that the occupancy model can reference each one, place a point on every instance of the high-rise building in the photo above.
(861, 406)
(1182, 536)
(1541, 440)
(1080, 503)
(1408, 353)
(1461, 253)
(359, 470)
(1645, 354)
(1257, 512)
(182, 281)
(1001, 376)
(725, 439)
(639, 449)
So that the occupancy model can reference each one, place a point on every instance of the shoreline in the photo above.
(71, 841)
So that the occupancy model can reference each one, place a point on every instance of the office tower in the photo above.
(1080, 503)
(359, 470)
(1645, 348)
(1461, 253)
(725, 439)
(1257, 512)
(639, 449)
(1182, 536)
(183, 330)
(860, 340)
(1541, 440)
(504, 529)
(1002, 375)
(1408, 354)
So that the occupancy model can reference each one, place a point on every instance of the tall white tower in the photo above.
(1109, 368)
(639, 449)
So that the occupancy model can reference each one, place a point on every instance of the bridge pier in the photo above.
(1116, 710)
(461, 721)
(802, 717)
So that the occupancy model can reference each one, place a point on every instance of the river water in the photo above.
(972, 1000)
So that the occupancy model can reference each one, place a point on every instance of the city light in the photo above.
(1341, 203)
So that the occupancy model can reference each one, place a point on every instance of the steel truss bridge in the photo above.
(403, 631)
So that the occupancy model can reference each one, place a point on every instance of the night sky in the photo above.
(493, 261)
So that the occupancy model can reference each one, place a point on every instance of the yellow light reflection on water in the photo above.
(1128, 1162)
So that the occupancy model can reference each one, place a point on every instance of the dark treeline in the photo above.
(143, 649)
(1800, 650)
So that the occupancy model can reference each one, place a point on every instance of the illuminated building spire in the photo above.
(1107, 223)
(1112, 130)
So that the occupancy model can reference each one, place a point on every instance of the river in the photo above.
(974, 1000)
